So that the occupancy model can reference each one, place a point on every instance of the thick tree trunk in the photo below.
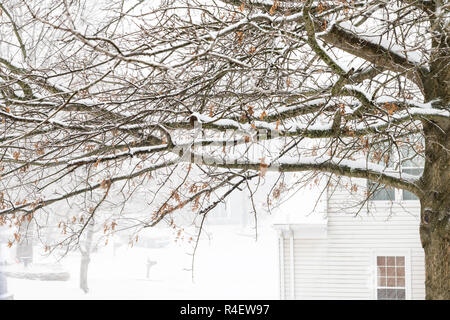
(435, 200)
(435, 210)
(434, 233)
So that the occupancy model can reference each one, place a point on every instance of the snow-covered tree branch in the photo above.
(187, 99)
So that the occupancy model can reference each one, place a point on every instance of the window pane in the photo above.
(382, 294)
(391, 294)
(413, 171)
(411, 151)
(406, 195)
(409, 195)
(400, 261)
(390, 261)
(381, 192)
(410, 156)
(390, 282)
(416, 162)
(401, 294)
(391, 271)
(400, 282)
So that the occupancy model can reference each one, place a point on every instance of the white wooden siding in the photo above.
(342, 266)
(287, 271)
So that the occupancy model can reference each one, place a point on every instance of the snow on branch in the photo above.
(343, 167)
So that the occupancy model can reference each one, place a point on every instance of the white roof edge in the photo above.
(292, 225)
(311, 230)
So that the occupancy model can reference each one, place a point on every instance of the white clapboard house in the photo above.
(334, 249)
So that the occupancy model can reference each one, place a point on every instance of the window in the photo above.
(391, 278)
(406, 195)
(381, 152)
(412, 163)
(379, 192)
(408, 158)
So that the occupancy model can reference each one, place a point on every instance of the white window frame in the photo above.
(389, 253)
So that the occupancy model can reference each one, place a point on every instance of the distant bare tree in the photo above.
(102, 99)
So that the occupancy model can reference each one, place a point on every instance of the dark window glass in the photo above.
(406, 195)
(391, 294)
(382, 294)
(379, 192)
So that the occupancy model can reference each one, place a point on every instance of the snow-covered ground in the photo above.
(228, 265)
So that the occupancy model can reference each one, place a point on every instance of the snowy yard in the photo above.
(231, 265)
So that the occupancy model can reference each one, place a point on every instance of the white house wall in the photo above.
(342, 266)
(287, 270)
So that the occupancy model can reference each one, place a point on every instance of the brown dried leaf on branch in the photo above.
(263, 167)
(274, 7)
(242, 6)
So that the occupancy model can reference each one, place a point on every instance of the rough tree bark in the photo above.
(435, 211)
(435, 200)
